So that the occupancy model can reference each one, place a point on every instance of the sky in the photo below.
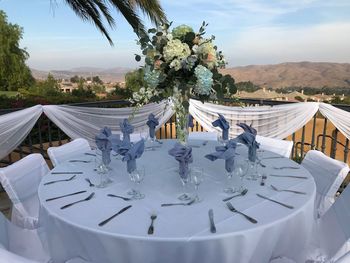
(247, 31)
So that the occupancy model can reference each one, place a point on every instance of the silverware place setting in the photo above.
(62, 196)
(274, 201)
(121, 197)
(113, 216)
(287, 190)
(184, 204)
(211, 220)
(62, 180)
(79, 201)
(79, 161)
(286, 167)
(289, 176)
(234, 210)
(244, 192)
(66, 172)
(151, 227)
(89, 182)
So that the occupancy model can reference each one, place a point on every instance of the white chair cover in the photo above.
(281, 147)
(63, 153)
(20, 245)
(328, 174)
(207, 136)
(344, 259)
(20, 181)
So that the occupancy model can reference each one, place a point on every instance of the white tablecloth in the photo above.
(182, 233)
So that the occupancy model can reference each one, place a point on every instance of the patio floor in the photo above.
(5, 204)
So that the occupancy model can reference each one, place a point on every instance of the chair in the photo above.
(331, 235)
(63, 153)
(206, 136)
(20, 181)
(18, 245)
(281, 147)
(328, 175)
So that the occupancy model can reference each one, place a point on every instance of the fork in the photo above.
(285, 167)
(79, 161)
(89, 181)
(121, 197)
(232, 209)
(76, 202)
(151, 227)
(185, 204)
(286, 190)
(63, 180)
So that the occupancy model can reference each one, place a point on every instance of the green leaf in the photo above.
(137, 58)
(190, 36)
(152, 30)
(159, 34)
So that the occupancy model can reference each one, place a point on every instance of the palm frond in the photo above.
(152, 9)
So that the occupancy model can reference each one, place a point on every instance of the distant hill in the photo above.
(304, 74)
(107, 75)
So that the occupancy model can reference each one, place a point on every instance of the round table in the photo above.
(181, 233)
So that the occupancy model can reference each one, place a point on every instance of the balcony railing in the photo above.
(318, 134)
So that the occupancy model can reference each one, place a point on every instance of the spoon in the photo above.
(121, 197)
(285, 190)
(151, 227)
(90, 184)
(240, 194)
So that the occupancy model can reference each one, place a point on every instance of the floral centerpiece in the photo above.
(181, 64)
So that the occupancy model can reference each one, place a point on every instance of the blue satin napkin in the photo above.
(248, 128)
(248, 139)
(121, 147)
(126, 129)
(183, 154)
(134, 152)
(152, 123)
(104, 144)
(223, 124)
(190, 121)
(227, 153)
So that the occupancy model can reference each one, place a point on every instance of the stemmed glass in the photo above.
(197, 178)
(240, 171)
(137, 177)
(101, 169)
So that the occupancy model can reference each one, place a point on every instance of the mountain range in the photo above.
(289, 74)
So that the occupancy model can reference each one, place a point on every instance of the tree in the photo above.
(46, 88)
(97, 80)
(14, 73)
(98, 11)
(134, 80)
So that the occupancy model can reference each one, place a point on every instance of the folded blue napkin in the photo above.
(247, 128)
(223, 124)
(190, 121)
(121, 147)
(134, 152)
(126, 129)
(227, 153)
(104, 144)
(152, 123)
(248, 139)
(183, 154)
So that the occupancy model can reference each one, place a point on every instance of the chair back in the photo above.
(328, 175)
(21, 181)
(334, 227)
(205, 136)
(64, 152)
(281, 147)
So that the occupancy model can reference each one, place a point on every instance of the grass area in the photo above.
(9, 94)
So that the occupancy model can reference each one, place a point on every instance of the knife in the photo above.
(113, 216)
(58, 197)
(66, 172)
(211, 219)
(282, 204)
(289, 176)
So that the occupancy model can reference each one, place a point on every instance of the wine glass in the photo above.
(137, 177)
(197, 178)
(240, 171)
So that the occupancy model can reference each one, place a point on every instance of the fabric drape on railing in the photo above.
(15, 126)
(85, 122)
(340, 118)
(271, 121)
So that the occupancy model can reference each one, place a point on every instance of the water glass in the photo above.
(137, 177)
(240, 171)
(197, 178)
(229, 189)
(184, 196)
(252, 170)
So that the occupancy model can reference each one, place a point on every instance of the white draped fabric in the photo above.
(275, 122)
(81, 122)
(15, 126)
(85, 122)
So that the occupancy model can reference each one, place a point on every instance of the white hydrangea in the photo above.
(176, 64)
(207, 49)
(176, 49)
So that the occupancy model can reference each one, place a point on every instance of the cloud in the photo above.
(261, 45)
